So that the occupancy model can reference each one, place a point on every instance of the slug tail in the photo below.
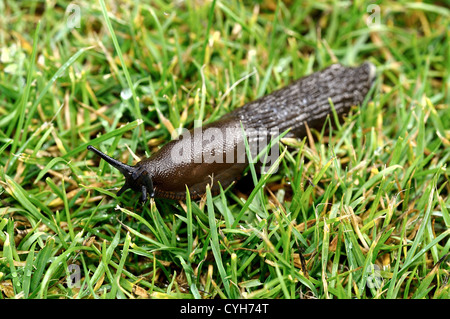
(372, 71)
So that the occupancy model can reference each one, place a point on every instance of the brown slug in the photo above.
(215, 153)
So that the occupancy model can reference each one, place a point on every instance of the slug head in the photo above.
(136, 177)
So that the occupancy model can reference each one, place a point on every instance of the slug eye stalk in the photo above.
(135, 177)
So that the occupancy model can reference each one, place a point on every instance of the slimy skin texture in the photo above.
(215, 153)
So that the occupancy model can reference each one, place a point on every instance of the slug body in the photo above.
(216, 154)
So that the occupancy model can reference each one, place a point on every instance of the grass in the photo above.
(359, 210)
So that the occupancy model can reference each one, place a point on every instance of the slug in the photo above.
(216, 154)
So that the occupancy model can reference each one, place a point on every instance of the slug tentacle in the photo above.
(217, 149)
(123, 189)
(136, 177)
(123, 168)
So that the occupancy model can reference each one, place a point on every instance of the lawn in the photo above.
(359, 209)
